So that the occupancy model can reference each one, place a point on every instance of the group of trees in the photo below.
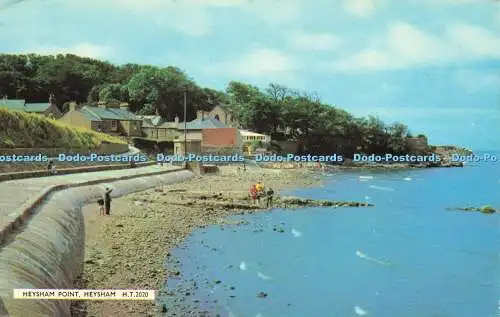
(85, 80)
(280, 111)
(316, 126)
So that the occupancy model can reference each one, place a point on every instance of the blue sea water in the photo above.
(406, 257)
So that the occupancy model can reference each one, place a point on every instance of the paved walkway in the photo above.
(15, 193)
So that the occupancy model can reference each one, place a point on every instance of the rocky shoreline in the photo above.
(484, 209)
(445, 153)
(128, 249)
(443, 164)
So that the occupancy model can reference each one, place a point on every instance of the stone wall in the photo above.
(49, 251)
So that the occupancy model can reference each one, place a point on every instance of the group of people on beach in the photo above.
(259, 191)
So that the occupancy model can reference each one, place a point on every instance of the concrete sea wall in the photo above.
(49, 251)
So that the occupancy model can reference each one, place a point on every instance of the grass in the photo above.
(25, 130)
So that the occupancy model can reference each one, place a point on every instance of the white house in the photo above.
(249, 136)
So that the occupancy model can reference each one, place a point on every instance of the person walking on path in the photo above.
(270, 194)
(107, 200)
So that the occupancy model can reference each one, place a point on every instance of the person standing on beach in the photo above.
(100, 202)
(107, 200)
(260, 191)
(253, 193)
(259, 187)
(270, 194)
(49, 167)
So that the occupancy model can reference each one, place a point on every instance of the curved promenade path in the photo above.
(18, 197)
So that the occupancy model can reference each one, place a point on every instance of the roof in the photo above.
(89, 115)
(99, 114)
(157, 122)
(37, 107)
(124, 114)
(12, 104)
(220, 137)
(154, 120)
(21, 105)
(169, 125)
(205, 123)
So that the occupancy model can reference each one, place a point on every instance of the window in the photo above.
(114, 125)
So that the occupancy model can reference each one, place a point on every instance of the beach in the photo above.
(127, 250)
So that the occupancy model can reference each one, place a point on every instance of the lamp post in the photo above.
(185, 129)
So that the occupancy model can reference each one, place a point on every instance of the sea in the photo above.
(408, 256)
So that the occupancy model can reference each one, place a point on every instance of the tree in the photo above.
(113, 93)
(161, 87)
(277, 110)
(147, 110)
(397, 142)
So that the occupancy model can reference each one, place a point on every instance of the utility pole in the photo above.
(185, 128)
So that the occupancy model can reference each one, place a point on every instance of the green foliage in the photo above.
(23, 130)
(147, 110)
(317, 127)
(256, 144)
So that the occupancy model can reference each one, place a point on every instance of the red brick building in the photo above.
(208, 135)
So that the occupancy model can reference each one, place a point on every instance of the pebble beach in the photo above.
(128, 249)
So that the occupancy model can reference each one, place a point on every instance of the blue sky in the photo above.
(432, 64)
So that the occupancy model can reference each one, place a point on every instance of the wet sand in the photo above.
(127, 250)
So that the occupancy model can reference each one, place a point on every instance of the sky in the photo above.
(431, 64)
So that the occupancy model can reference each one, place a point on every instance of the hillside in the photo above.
(23, 130)
(284, 113)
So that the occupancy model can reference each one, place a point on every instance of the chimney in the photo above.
(176, 120)
(72, 106)
(102, 104)
(124, 106)
(200, 114)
